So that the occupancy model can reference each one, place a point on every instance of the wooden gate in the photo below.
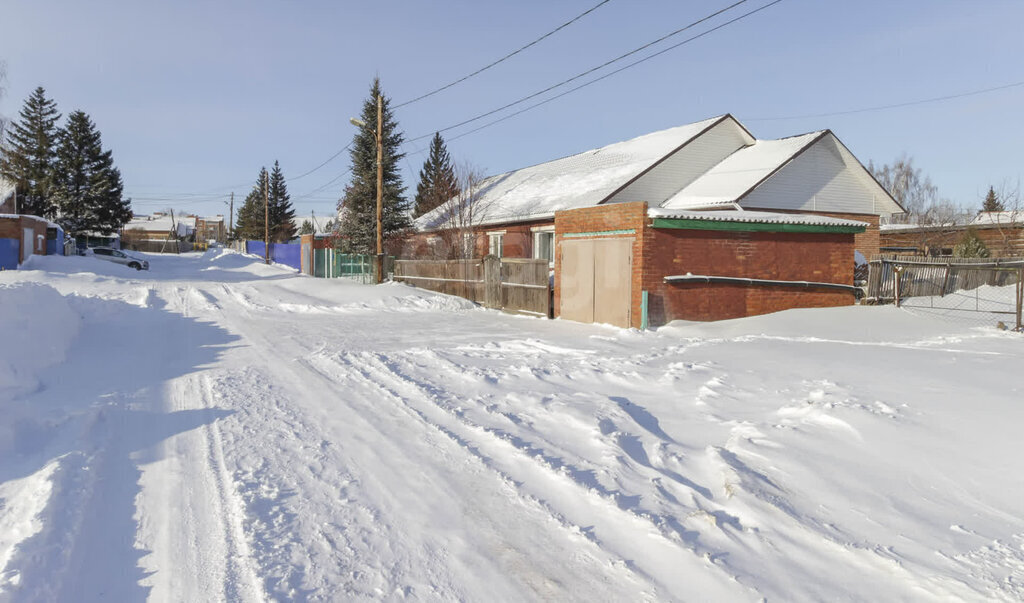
(596, 280)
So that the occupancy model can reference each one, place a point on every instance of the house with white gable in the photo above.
(701, 222)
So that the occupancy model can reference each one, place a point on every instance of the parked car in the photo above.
(116, 255)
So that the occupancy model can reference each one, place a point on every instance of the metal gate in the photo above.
(596, 277)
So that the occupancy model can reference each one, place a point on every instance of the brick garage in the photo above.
(748, 245)
(12, 232)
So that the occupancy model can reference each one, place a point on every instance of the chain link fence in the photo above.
(980, 292)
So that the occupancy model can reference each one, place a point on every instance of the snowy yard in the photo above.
(220, 429)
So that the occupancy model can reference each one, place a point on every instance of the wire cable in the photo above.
(507, 56)
(611, 73)
(589, 71)
(329, 159)
(895, 105)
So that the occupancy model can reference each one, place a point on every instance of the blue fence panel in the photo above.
(10, 253)
(289, 254)
(55, 245)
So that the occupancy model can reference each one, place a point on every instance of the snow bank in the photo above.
(38, 325)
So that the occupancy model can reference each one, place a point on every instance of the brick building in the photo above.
(652, 213)
(21, 237)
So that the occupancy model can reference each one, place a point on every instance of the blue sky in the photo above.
(194, 97)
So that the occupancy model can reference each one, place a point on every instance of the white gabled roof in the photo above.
(734, 177)
(580, 180)
(809, 172)
(318, 222)
(163, 223)
(998, 218)
(753, 217)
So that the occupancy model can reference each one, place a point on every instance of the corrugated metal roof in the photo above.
(753, 217)
(580, 180)
(739, 172)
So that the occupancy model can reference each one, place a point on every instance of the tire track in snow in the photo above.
(613, 529)
(470, 480)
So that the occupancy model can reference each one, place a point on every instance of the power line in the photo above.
(895, 105)
(329, 159)
(313, 192)
(507, 56)
(593, 69)
(620, 69)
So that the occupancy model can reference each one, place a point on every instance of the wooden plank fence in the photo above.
(902, 278)
(510, 284)
(922, 276)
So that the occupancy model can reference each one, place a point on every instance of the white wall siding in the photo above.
(685, 165)
(822, 178)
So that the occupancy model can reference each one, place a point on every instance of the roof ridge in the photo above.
(525, 167)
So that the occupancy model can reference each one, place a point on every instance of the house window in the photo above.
(495, 242)
(468, 244)
(544, 246)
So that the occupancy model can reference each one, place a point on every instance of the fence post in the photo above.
(492, 282)
(897, 270)
(1020, 295)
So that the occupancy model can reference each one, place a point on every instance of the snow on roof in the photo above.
(734, 176)
(580, 180)
(998, 218)
(757, 217)
(162, 223)
(27, 217)
(319, 222)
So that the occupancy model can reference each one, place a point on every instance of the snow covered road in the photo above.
(217, 429)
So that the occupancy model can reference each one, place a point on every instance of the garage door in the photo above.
(595, 280)
(26, 243)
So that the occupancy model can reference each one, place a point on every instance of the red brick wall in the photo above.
(614, 216)
(12, 228)
(764, 255)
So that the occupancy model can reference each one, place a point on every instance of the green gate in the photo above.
(329, 263)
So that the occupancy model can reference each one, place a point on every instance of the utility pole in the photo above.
(380, 192)
(266, 219)
(231, 216)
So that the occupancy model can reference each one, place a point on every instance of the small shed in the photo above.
(20, 237)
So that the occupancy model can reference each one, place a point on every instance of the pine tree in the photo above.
(86, 187)
(250, 225)
(437, 178)
(282, 215)
(29, 154)
(970, 246)
(307, 228)
(992, 202)
(358, 206)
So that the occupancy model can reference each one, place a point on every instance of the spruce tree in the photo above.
(282, 215)
(29, 153)
(250, 224)
(307, 228)
(358, 206)
(992, 202)
(437, 179)
(86, 187)
(970, 246)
